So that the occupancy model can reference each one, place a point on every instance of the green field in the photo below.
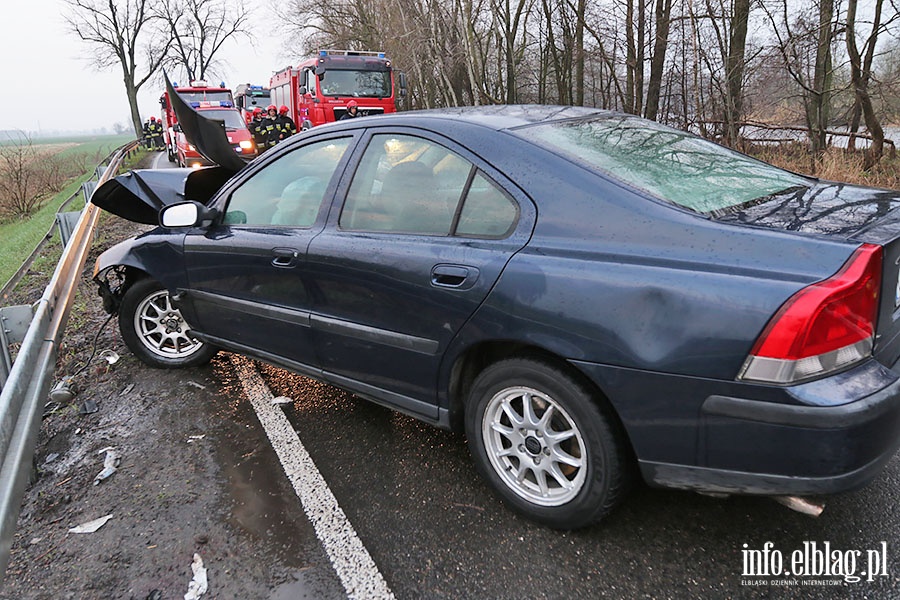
(22, 236)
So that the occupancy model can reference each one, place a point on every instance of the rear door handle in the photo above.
(454, 276)
(284, 257)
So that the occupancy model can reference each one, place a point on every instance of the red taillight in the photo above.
(824, 326)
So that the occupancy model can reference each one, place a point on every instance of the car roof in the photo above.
(496, 117)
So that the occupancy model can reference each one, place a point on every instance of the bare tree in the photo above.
(861, 76)
(804, 42)
(198, 29)
(734, 71)
(29, 173)
(124, 33)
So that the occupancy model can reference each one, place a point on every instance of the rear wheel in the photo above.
(155, 330)
(545, 445)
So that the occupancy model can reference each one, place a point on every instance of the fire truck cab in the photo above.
(318, 89)
(217, 103)
(247, 97)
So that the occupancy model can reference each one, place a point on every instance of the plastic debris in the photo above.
(63, 391)
(109, 464)
(88, 407)
(199, 386)
(51, 408)
(127, 390)
(281, 400)
(109, 356)
(91, 526)
(198, 585)
(155, 595)
(195, 438)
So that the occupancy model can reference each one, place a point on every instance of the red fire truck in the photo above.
(218, 103)
(247, 97)
(318, 89)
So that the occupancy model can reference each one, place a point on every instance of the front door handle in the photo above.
(454, 276)
(284, 257)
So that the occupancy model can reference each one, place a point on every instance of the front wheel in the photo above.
(155, 330)
(545, 444)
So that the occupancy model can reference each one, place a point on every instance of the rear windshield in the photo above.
(668, 163)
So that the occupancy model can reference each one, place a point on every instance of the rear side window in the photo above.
(487, 211)
(288, 192)
(407, 184)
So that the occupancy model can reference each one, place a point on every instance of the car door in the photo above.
(246, 274)
(423, 234)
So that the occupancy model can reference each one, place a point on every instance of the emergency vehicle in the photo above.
(217, 103)
(318, 89)
(247, 97)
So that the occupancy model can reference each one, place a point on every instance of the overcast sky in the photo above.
(51, 85)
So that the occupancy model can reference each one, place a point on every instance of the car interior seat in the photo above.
(409, 197)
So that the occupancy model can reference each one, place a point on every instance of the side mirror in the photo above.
(187, 214)
(401, 79)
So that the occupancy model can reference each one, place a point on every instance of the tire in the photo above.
(155, 331)
(571, 483)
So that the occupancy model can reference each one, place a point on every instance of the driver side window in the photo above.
(290, 191)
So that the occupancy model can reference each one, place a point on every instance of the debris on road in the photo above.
(91, 526)
(198, 585)
(88, 407)
(195, 438)
(109, 464)
(199, 386)
(63, 391)
(109, 356)
(282, 400)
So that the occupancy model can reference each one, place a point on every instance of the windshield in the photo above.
(360, 84)
(207, 96)
(668, 163)
(232, 118)
(256, 98)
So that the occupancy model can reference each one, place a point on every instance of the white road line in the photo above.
(352, 562)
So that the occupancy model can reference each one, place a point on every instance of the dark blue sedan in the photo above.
(590, 296)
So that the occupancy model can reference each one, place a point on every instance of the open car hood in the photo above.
(206, 134)
(140, 195)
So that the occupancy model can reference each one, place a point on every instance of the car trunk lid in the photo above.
(853, 213)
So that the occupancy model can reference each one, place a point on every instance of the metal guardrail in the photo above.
(25, 389)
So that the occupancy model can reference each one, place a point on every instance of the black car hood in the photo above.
(826, 208)
(140, 195)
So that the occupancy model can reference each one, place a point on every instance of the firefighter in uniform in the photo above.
(155, 130)
(257, 130)
(352, 111)
(284, 124)
(145, 131)
(269, 125)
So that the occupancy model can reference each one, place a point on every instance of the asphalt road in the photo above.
(435, 530)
